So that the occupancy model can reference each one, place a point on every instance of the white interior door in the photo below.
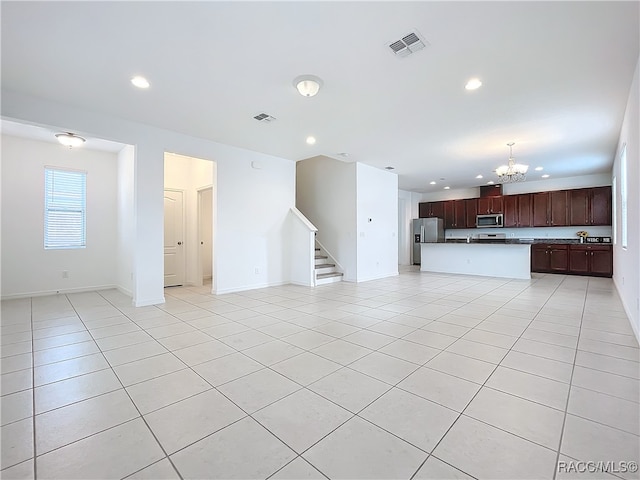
(174, 266)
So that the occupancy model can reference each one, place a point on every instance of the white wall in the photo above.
(29, 269)
(251, 205)
(126, 219)
(326, 195)
(407, 211)
(626, 262)
(206, 232)
(189, 175)
(377, 222)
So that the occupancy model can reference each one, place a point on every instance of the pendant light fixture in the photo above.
(70, 140)
(512, 172)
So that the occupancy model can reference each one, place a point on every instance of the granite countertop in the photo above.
(531, 241)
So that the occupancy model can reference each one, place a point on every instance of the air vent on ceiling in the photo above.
(408, 44)
(263, 117)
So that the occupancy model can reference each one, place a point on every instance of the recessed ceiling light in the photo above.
(311, 140)
(447, 188)
(546, 175)
(473, 84)
(140, 82)
(432, 183)
(343, 154)
(490, 182)
(479, 176)
(539, 169)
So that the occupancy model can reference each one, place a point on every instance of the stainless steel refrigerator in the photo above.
(426, 230)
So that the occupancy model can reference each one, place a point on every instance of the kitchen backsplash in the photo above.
(534, 232)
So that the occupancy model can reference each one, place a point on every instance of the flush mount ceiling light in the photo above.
(546, 175)
(311, 140)
(307, 85)
(432, 183)
(512, 172)
(140, 82)
(491, 182)
(473, 84)
(447, 188)
(479, 176)
(69, 139)
(539, 169)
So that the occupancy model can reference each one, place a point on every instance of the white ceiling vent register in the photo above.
(263, 117)
(408, 44)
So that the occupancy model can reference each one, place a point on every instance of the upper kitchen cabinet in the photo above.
(559, 208)
(600, 206)
(487, 205)
(471, 211)
(517, 210)
(590, 206)
(431, 209)
(540, 209)
(454, 214)
(550, 209)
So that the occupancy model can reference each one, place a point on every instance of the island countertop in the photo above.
(512, 260)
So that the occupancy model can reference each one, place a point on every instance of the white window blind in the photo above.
(65, 205)
(623, 197)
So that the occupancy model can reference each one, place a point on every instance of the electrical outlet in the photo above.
(65, 274)
(256, 271)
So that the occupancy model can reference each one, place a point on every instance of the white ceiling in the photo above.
(556, 77)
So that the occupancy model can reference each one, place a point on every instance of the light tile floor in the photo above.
(416, 376)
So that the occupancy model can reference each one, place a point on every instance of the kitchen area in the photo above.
(511, 236)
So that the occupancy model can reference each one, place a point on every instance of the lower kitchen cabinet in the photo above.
(594, 260)
(547, 258)
(574, 259)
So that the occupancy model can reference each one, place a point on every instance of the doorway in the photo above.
(195, 179)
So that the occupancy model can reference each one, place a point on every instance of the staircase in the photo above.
(326, 272)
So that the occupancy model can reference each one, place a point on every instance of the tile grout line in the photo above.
(480, 389)
(33, 393)
(126, 392)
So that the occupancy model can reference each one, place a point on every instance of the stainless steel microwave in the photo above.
(493, 220)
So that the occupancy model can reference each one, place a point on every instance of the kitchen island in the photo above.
(506, 260)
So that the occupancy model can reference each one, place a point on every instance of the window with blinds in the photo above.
(65, 208)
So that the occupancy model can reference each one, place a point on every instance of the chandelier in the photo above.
(512, 172)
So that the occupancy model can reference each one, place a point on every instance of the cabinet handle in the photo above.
(586, 253)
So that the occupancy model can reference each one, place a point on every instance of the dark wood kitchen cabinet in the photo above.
(550, 258)
(487, 205)
(471, 211)
(590, 206)
(431, 209)
(594, 260)
(574, 259)
(540, 209)
(517, 210)
(454, 214)
(559, 208)
(600, 206)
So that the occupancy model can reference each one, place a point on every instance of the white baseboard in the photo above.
(627, 310)
(378, 277)
(148, 302)
(62, 291)
(222, 291)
